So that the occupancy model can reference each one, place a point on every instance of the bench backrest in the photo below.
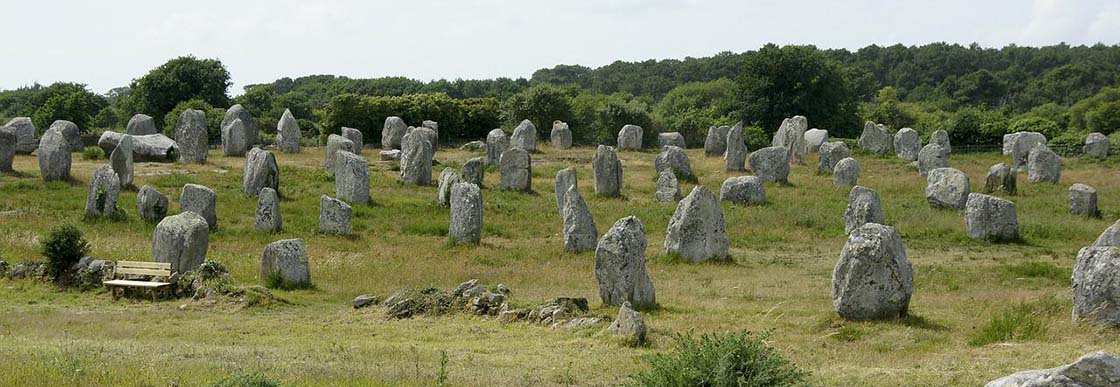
(158, 269)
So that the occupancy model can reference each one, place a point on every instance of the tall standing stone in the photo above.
(697, 231)
(191, 137)
(416, 158)
(947, 188)
(355, 136)
(561, 136)
(989, 217)
(830, 154)
(1096, 286)
(671, 138)
(673, 159)
(620, 265)
(54, 156)
(607, 170)
(932, 156)
(565, 178)
(71, 133)
(336, 144)
(735, 153)
(392, 133)
(791, 136)
(814, 138)
(8, 143)
(141, 124)
(287, 260)
(1000, 177)
(873, 279)
(151, 205)
(516, 170)
(580, 233)
(746, 190)
(1096, 145)
(630, 137)
(466, 213)
(181, 240)
(1019, 146)
(235, 139)
(260, 171)
(201, 200)
(524, 136)
(104, 188)
(846, 172)
(351, 179)
(941, 138)
(907, 144)
(267, 217)
(875, 139)
(447, 178)
(863, 208)
(771, 164)
(496, 144)
(334, 216)
(252, 131)
(474, 171)
(121, 160)
(25, 135)
(668, 187)
(287, 133)
(434, 126)
(1043, 165)
(1083, 200)
(715, 144)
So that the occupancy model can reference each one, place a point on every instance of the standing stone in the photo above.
(771, 164)
(355, 136)
(736, 150)
(474, 171)
(941, 138)
(668, 187)
(524, 136)
(286, 259)
(141, 124)
(260, 171)
(1110, 236)
(875, 138)
(191, 137)
(1000, 177)
(620, 265)
(392, 133)
(423, 133)
(496, 144)
(746, 190)
(54, 155)
(104, 188)
(846, 172)
(671, 138)
(8, 143)
(25, 135)
(1096, 286)
(715, 144)
(672, 158)
(1083, 200)
(1092, 370)
(947, 188)
(607, 170)
(628, 325)
(121, 160)
(335, 144)
(351, 180)
(447, 178)
(235, 139)
(238, 112)
(580, 232)
(434, 126)
(268, 211)
(71, 133)
(932, 156)
(873, 279)
(334, 216)
(561, 136)
(830, 154)
(287, 133)
(565, 178)
(791, 136)
(1096, 146)
(149, 147)
(697, 230)
(1043, 165)
(416, 158)
(863, 208)
(181, 240)
(516, 170)
(151, 205)
(630, 137)
(1019, 146)
(992, 218)
(200, 200)
(814, 138)
(907, 144)
(466, 213)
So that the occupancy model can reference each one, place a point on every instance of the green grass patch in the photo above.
(1018, 323)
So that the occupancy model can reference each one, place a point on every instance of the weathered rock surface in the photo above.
(668, 187)
(932, 156)
(1083, 200)
(863, 208)
(671, 138)
(873, 279)
(830, 154)
(697, 231)
(25, 135)
(416, 158)
(992, 218)
(743, 190)
(474, 146)
(121, 160)
(524, 136)
(335, 144)
(434, 126)
(846, 172)
(1096, 286)
(1000, 178)
(267, 217)
(288, 133)
(1095, 369)
(941, 138)
(191, 137)
(474, 171)
(947, 188)
(580, 233)
(71, 133)
(334, 216)
(238, 112)
(392, 133)
(260, 171)
(814, 138)
(151, 147)
(54, 155)
(1096, 145)
(607, 171)
(907, 144)
(151, 205)
(516, 172)
(235, 141)
(496, 144)
(355, 136)
(672, 158)
(351, 179)
(629, 325)
(389, 155)
(286, 259)
(181, 240)
(875, 139)
(736, 150)
(771, 164)
(630, 137)
(1019, 145)
(565, 178)
(201, 200)
(447, 177)
(791, 136)
(561, 136)
(141, 124)
(715, 144)
(466, 213)
(104, 188)
(1043, 165)
(8, 142)
(620, 265)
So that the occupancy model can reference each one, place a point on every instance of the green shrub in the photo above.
(93, 153)
(63, 248)
(737, 359)
(755, 137)
(1019, 323)
(1067, 144)
(246, 380)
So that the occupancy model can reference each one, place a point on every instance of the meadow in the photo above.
(980, 310)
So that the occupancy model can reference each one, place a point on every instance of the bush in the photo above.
(93, 153)
(1067, 144)
(1045, 126)
(63, 248)
(738, 359)
(755, 137)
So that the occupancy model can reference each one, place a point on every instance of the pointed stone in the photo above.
(620, 265)
(697, 231)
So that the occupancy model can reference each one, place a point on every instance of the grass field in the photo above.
(979, 310)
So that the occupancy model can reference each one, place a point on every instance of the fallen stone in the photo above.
(151, 147)
(1097, 369)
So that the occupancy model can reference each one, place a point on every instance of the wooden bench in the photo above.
(159, 270)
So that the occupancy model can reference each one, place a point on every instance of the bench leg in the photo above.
(113, 292)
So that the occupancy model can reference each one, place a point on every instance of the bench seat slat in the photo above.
(142, 264)
(140, 284)
(154, 272)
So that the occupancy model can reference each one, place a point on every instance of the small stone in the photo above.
(668, 187)
(104, 188)
(191, 136)
(181, 240)
(671, 138)
(673, 159)
(1092, 370)
(1043, 165)
(1000, 177)
(932, 156)
(697, 230)
(873, 279)
(389, 155)
(1096, 146)
(863, 208)
(907, 143)
(1083, 201)
(580, 233)
(629, 325)
(735, 155)
(351, 180)
(607, 171)
(846, 172)
(286, 259)
(334, 216)
(630, 138)
(620, 265)
(151, 204)
(992, 218)
(516, 170)
(392, 133)
(267, 217)
(561, 136)
(355, 136)
(496, 143)
(474, 171)
(364, 300)
(830, 154)
(524, 136)
(466, 213)
(747, 190)
(947, 188)
(474, 146)
(875, 139)
(200, 200)
(771, 164)
(715, 144)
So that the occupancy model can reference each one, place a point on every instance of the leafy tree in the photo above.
(692, 108)
(540, 104)
(1105, 118)
(78, 107)
(977, 126)
(181, 79)
(213, 119)
(1047, 127)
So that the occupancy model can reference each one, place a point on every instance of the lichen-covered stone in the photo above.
(191, 136)
(932, 156)
(672, 158)
(260, 171)
(1083, 200)
(524, 136)
(671, 138)
(846, 172)
(1096, 286)
(697, 231)
(238, 112)
(620, 265)
(814, 138)
(392, 133)
(743, 190)
(496, 144)
(947, 188)
(1043, 165)
(565, 179)
(1096, 145)
(863, 208)
(54, 156)
(907, 143)
(989, 217)
(873, 279)
(355, 136)
(607, 171)
(235, 139)
(580, 233)
(121, 160)
(25, 134)
(630, 137)
(267, 217)
(466, 213)
(474, 171)
(288, 133)
(735, 154)
(141, 124)
(335, 144)
(351, 179)
(941, 138)
(151, 205)
(1092, 370)
(516, 172)
(771, 164)
(201, 200)
(181, 240)
(447, 177)
(1000, 178)
(830, 154)
(104, 188)
(561, 136)
(875, 139)
(791, 136)
(416, 158)
(715, 144)
(668, 187)
(334, 216)
(288, 260)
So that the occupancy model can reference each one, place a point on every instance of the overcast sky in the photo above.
(106, 44)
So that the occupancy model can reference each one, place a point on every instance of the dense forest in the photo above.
(977, 94)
